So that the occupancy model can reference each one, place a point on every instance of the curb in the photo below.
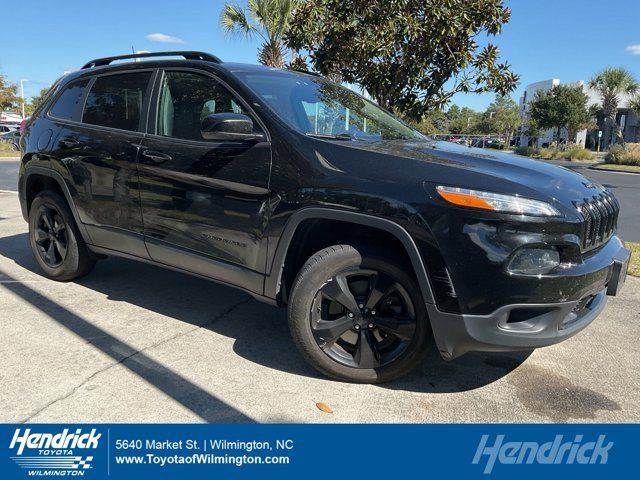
(595, 167)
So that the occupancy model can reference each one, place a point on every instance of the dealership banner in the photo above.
(143, 451)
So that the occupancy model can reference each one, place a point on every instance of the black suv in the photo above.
(379, 240)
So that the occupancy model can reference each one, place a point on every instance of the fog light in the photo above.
(534, 261)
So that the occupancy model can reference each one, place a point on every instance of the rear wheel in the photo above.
(356, 315)
(55, 240)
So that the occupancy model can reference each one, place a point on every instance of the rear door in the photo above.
(99, 149)
(205, 204)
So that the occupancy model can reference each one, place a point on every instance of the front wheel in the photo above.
(357, 316)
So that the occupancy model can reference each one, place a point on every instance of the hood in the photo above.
(452, 164)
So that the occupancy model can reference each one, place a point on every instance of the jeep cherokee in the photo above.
(379, 240)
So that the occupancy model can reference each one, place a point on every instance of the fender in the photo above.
(273, 281)
(59, 179)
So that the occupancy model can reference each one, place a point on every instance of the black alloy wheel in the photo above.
(50, 236)
(55, 240)
(357, 314)
(363, 318)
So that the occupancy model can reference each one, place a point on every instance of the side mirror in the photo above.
(229, 126)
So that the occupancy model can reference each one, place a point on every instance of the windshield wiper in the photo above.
(338, 136)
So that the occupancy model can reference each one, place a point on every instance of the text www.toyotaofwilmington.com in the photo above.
(200, 459)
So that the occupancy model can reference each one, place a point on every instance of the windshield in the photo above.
(315, 106)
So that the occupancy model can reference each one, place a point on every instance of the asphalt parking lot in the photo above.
(135, 343)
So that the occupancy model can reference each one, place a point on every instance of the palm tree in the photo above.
(610, 83)
(265, 19)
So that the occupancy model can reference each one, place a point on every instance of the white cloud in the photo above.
(162, 38)
(633, 49)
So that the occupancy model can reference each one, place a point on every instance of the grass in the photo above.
(9, 153)
(6, 150)
(634, 264)
(613, 166)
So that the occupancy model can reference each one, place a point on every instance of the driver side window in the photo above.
(186, 98)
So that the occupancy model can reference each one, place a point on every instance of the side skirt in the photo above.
(109, 252)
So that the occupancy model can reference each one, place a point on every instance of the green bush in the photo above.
(526, 151)
(546, 153)
(627, 155)
(574, 152)
(615, 155)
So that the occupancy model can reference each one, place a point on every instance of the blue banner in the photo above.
(123, 451)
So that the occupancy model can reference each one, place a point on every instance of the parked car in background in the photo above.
(380, 241)
(8, 128)
(486, 142)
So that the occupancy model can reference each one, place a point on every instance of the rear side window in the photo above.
(68, 106)
(116, 101)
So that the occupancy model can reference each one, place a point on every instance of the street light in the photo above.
(22, 95)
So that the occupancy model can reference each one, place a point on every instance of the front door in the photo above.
(205, 204)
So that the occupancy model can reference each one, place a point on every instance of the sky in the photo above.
(566, 39)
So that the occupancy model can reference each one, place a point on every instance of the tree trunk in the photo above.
(382, 99)
(618, 129)
(271, 55)
(610, 107)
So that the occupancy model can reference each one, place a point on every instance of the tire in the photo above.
(315, 317)
(55, 240)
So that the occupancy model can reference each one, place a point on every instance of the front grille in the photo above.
(600, 219)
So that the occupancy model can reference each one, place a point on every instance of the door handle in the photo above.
(69, 142)
(156, 157)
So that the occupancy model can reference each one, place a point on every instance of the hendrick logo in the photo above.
(553, 452)
(54, 454)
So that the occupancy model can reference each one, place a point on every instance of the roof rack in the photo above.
(308, 72)
(188, 55)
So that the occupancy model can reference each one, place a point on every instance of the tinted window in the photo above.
(186, 98)
(316, 106)
(67, 106)
(116, 101)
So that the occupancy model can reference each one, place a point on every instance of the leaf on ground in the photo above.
(323, 407)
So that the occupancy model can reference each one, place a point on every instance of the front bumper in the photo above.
(527, 325)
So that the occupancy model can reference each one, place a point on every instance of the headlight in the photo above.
(496, 202)
(534, 261)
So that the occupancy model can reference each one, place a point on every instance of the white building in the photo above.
(547, 137)
(601, 137)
